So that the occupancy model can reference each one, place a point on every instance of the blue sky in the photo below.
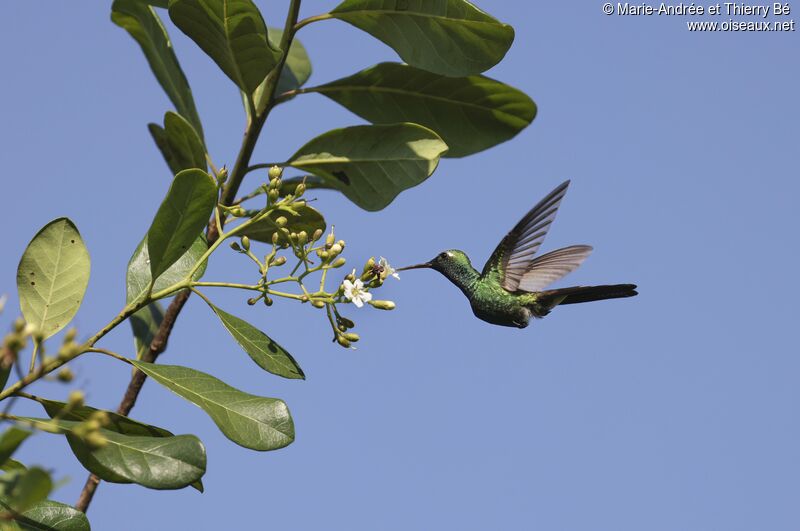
(673, 410)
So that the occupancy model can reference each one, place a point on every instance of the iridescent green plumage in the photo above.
(508, 292)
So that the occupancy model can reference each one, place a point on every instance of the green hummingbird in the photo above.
(509, 290)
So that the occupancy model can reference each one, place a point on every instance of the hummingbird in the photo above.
(510, 289)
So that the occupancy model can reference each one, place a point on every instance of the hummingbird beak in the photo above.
(425, 265)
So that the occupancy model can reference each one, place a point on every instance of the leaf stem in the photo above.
(309, 20)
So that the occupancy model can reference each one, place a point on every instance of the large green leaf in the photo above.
(469, 113)
(251, 421)
(144, 25)
(116, 423)
(371, 164)
(138, 275)
(232, 33)
(303, 218)
(154, 462)
(179, 143)
(22, 489)
(145, 324)
(448, 37)
(10, 441)
(180, 219)
(52, 276)
(267, 354)
(53, 516)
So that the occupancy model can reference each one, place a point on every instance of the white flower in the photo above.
(354, 291)
(384, 263)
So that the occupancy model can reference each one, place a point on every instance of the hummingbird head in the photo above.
(453, 264)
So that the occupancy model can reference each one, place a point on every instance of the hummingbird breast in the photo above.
(495, 305)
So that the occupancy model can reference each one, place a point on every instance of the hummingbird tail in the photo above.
(578, 294)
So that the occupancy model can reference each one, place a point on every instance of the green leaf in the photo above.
(10, 441)
(144, 25)
(267, 354)
(371, 164)
(154, 462)
(11, 465)
(179, 143)
(448, 37)
(22, 489)
(116, 422)
(50, 515)
(180, 219)
(52, 276)
(300, 218)
(469, 113)
(297, 69)
(251, 421)
(232, 33)
(145, 324)
(138, 275)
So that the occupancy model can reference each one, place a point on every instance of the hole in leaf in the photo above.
(33, 283)
(72, 241)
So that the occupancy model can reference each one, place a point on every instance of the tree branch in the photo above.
(159, 343)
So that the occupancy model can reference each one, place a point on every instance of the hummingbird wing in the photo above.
(512, 259)
(546, 269)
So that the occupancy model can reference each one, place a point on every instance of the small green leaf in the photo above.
(448, 37)
(22, 489)
(154, 462)
(297, 69)
(138, 275)
(179, 143)
(11, 465)
(232, 33)
(251, 421)
(116, 423)
(145, 324)
(180, 219)
(267, 354)
(144, 25)
(302, 218)
(371, 164)
(10, 441)
(469, 113)
(52, 276)
(53, 516)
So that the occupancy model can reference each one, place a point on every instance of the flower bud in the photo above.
(65, 375)
(317, 304)
(317, 235)
(251, 301)
(302, 237)
(352, 337)
(95, 440)
(279, 261)
(300, 190)
(275, 172)
(323, 254)
(235, 246)
(275, 238)
(340, 243)
(339, 262)
(369, 265)
(343, 341)
(344, 321)
(245, 243)
(222, 176)
(383, 305)
(267, 300)
(335, 249)
(75, 398)
(237, 212)
(19, 324)
(330, 238)
(281, 221)
(303, 298)
(273, 195)
(70, 335)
